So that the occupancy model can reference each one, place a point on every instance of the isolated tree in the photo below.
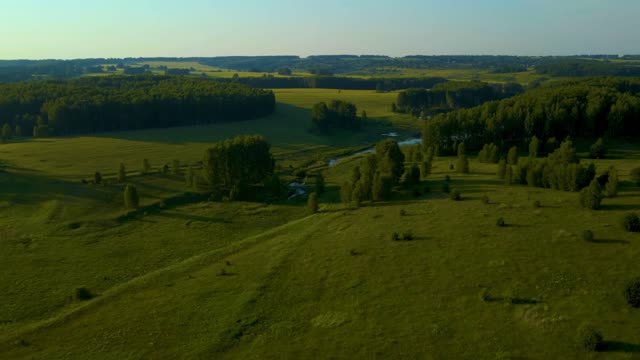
(345, 192)
(97, 177)
(320, 184)
(363, 116)
(591, 196)
(588, 338)
(534, 147)
(598, 150)
(512, 156)
(312, 203)
(462, 165)
(131, 200)
(146, 166)
(611, 188)
(390, 159)
(122, 174)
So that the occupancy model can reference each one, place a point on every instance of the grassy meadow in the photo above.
(244, 280)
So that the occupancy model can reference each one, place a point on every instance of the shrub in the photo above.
(345, 192)
(536, 204)
(462, 166)
(146, 166)
(320, 184)
(445, 188)
(131, 199)
(447, 178)
(189, 178)
(175, 167)
(455, 195)
(97, 177)
(165, 169)
(484, 199)
(403, 212)
(501, 222)
(632, 292)
(587, 235)
(426, 189)
(597, 150)
(611, 187)
(395, 236)
(122, 173)
(83, 294)
(631, 222)
(591, 197)
(508, 176)
(589, 338)
(634, 174)
(312, 202)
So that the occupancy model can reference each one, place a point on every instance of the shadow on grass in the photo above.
(192, 217)
(607, 241)
(619, 346)
(624, 207)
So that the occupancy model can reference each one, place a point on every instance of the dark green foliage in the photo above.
(175, 167)
(241, 161)
(581, 108)
(587, 235)
(335, 115)
(274, 186)
(501, 223)
(122, 173)
(407, 236)
(300, 174)
(355, 175)
(320, 184)
(345, 192)
(411, 176)
(189, 178)
(634, 174)
(446, 188)
(512, 156)
(536, 204)
(447, 178)
(488, 154)
(403, 212)
(114, 103)
(588, 338)
(611, 188)
(395, 236)
(632, 292)
(591, 196)
(631, 222)
(6, 132)
(357, 194)
(534, 147)
(502, 169)
(381, 188)
(484, 199)
(165, 169)
(131, 199)
(425, 169)
(97, 177)
(312, 203)
(462, 165)
(455, 195)
(390, 159)
(598, 150)
(83, 294)
(508, 175)
(146, 166)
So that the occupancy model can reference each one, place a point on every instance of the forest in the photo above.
(577, 108)
(94, 104)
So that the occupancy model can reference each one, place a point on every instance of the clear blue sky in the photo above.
(122, 28)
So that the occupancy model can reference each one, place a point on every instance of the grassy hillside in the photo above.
(333, 285)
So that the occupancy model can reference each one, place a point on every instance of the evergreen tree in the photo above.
(512, 156)
(462, 165)
(508, 175)
(598, 150)
(390, 159)
(364, 116)
(97, 178)
(122, 174)
(411, 176)
(131, 199)
(591, 196)
(425, 169)
(6, 132)
(345, 192)
(312, 203)
(275, 186)
(18, 131)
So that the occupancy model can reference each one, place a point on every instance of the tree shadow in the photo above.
(192, 217)
(624, 207)
(608, 241)
(619, 346)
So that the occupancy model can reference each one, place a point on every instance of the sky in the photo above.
(68, 29)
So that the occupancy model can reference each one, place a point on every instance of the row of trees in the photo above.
(335, 115)
(128, 102)
(452, 95)
(593, 107)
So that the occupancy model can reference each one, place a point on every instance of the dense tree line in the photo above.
(335, 115)
(233, 165)
(452, 95)
(95, 104)
(576, 68)
(591, 107)
(337, 82)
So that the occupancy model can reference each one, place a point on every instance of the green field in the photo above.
(244, 280)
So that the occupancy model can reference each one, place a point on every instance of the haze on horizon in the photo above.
(66, 29)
